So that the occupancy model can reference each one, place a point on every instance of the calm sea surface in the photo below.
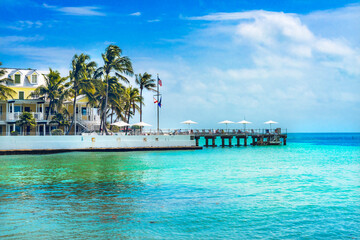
(309, 189)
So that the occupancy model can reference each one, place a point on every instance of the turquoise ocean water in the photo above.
(309, 189)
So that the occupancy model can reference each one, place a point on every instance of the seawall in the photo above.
(55, 144)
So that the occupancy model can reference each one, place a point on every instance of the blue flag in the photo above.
(159, 103)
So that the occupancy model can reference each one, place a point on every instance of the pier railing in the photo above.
(191, 132)
(205, 132)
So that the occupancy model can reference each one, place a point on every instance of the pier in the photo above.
(258, 137)
(229, 138)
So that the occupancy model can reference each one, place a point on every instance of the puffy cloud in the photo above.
(267, 65)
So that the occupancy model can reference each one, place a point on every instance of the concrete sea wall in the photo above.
(40, 144)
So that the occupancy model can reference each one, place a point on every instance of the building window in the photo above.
(83, 111)
(17, 78)
(21, 95)
(34, 79)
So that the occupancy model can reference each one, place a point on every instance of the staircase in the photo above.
(86, 127)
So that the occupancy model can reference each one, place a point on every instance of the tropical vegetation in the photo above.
(54, 91)
(106, 87)
(5, 92)
(145, 82)
(121, 67)
(26, 120)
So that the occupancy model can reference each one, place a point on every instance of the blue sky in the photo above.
(295, 62)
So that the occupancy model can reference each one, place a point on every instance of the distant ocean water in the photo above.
(309, 189)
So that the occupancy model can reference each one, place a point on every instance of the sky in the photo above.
(296, 62)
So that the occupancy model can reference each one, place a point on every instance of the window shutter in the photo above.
(17, 78)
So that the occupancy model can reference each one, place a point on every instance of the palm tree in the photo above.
(5, 92)
(60, 119)
(115, 99)
(80, 79)
(132, 98)
(26, 119)
(54, 90)
(145, 82)
(121, 65)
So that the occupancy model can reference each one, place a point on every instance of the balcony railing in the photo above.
(16, 116)
(90, 118)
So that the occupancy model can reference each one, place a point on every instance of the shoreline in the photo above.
(127, 149)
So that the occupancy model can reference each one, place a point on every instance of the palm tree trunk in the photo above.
(48, 113)
(127, 119)
(104, 123)
(101, 122)
(74, 111)
(106, 100)
(141, 105)
(111, 121)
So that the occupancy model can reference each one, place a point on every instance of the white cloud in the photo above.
(333, 47)
(77, 11)
(49, 55)
(7, 40)
(41, 57)
(135, 14)
(266, 65)
(21, 25)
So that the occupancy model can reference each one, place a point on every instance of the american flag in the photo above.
(160, 82)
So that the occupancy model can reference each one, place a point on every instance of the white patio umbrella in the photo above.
(244, 122)
(120, 124)
(226, 122)
(142, 124)
(270, 122)
(188, 122)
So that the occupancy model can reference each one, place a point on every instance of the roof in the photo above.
(32, 71)
(25, 101)
(77, 99)
(17, 68)
(15, 71)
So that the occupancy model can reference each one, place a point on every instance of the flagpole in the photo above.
(158, 93)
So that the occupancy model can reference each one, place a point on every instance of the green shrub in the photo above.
(57, 132)
(14, 133)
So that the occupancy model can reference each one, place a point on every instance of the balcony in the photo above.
(16, 116)
(88, 118)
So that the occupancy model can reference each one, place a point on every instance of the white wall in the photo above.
(88, 142)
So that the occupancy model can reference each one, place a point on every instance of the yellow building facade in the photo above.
(25, 81)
